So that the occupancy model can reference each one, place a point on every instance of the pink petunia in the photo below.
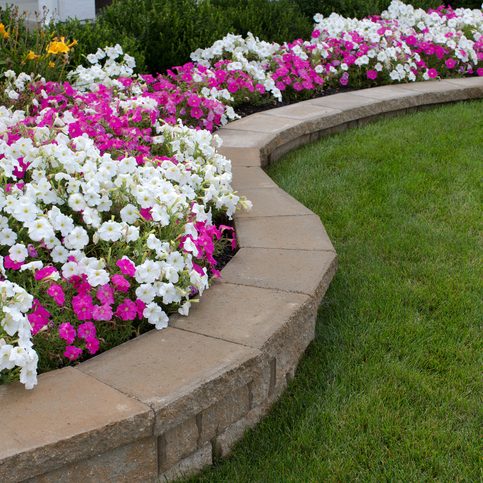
(120, 283)
(140, 306)
(102, 312)
(85, 330)
(105, 294)
(126, 266)
(67, 332)
(432, 73)
(127, 310)
(83, 306)
(10, 264)
(371, 74)
(92, 345)
(450, 63)
(72, 352)
(57, 293)
(45, 272)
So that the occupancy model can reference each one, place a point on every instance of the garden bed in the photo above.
(167, 402)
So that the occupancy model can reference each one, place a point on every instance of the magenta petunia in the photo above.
(57, 293)
(87, 329)
(67, 332)
(371, 74)
(120, 283)
(127, 310)
(126, 266)
(72, 352)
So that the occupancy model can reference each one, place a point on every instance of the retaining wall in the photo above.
(166, 403)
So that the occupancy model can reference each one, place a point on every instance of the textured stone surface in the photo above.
(439, 91)
(302, 111)
(67, 417)
(473, 85)
(272, 202)
(178, 443)
(251, 178)
(254, 316)
(189, 465)
(301, 271)
(262, 123)
(289, 232)
(242, 156)
(135, 462)
(225, 441)
(225, 412)
(351, 105)
(244, 148)
(178, 373)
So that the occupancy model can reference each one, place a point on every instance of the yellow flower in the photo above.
(59, 46)
(51, 64)
(3, 32)
(32, 55)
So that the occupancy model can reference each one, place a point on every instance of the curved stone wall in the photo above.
(168, 402)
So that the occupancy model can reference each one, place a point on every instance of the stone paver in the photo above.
(177, 373)
(302, 111)
(261, 123)
(254, 316)
(178, 443)
(251, 178)
(67, 417)
(290, 270)
(272, 202)
(289, 232)
(243, 148)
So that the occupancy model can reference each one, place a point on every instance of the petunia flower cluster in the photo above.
(404, 44)
(107, 219)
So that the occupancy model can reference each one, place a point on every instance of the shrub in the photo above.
(163, 33)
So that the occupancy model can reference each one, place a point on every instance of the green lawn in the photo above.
(390, 389)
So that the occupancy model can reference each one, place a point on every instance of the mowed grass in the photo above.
(390, 390)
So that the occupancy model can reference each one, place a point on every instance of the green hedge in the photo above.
(163, 33)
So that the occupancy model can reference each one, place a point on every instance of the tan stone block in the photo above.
(302, 271)
(225, 441)
(178, 373)
(178, 443)
(262, 123)
(289, 232)
(190, 465)
(272, 202)
(385, 93)
(135, 462)
(302, 111)
(245, 148)
(251, 178)
(225, 412)
(351, 105)
(473, 85)
(438, 91)
(242, 156)
(67, 417)
(254, 315)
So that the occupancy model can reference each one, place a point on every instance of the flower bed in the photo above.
(111, 208)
